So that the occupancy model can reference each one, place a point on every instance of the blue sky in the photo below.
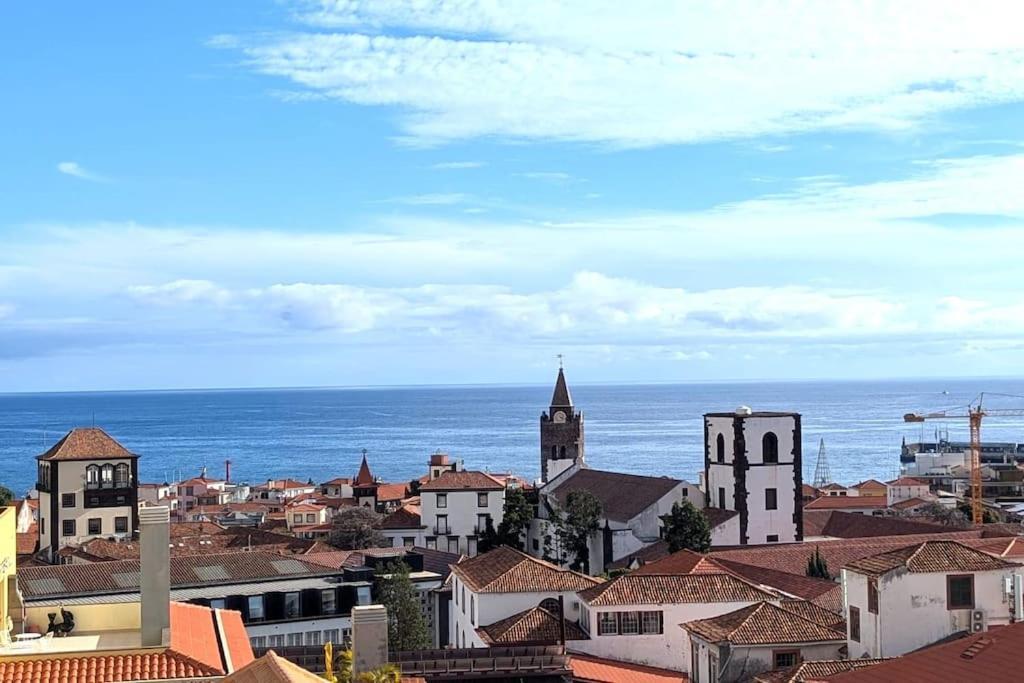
(358, 192)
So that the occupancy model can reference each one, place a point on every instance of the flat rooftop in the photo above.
(96, 642)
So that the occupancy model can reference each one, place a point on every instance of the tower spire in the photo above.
(822, 475)
(364, 477)
(561, 398)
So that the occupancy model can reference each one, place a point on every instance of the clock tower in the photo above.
(561, 433)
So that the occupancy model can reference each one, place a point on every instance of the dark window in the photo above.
(686, 492)
(554, 452)
(536, 544)
(561, 452)
(720, 448)
(873, 596)
(785, 658)
(291, 605)
(328, 601)
(854, 624)
(121, 476)
(121, 500)
(960, 592)
(255, 608)
(771, 499)
(120, 525)
(651, 623)
(95, 526)
(772, 538)
(442, 500)
(607, 624)
(721, 497)
(218, 603)
(549, 604)
(67, 500)
(408, 541)
(481, 500)
(770, 448)
(68, 527)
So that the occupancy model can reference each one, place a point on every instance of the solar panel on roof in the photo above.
(126, 579)
(288, 566)
(45, 586)
(211, 572)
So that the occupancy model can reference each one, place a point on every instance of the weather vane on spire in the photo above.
(559, 357)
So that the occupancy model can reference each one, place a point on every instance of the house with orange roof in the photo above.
(870, 488)
(916, 595)
(906, 488)
(457, 507)
(306, 515)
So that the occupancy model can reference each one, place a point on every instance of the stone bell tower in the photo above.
(561, 432)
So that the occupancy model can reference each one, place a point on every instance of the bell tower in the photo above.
(561, 432)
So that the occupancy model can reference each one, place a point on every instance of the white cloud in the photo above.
(457, 165)
(653, 72)
(72, 168)
(181, 291)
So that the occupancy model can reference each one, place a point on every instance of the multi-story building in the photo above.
(753, 465)
(457, 507)
(88, 487)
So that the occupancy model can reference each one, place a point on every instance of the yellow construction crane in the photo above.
(973, 413)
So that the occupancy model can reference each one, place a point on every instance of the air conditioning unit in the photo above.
(979, 623)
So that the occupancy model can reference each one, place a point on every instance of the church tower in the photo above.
(561, 433)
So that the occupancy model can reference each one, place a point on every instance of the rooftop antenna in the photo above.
(822, 475)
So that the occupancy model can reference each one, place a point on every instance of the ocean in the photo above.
(320, 433)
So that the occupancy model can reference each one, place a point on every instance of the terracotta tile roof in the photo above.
(908, 503)
(633, 589)
(405, 517)
(504, 570)
(338, 481)
(390, 492)
(590, 669)
(622, 496)
(762, 624)
(221, 540)
(466, 480)
(649, 553)
(200, 480)
(930, 556)
(305, 507)
(841, 524)
(178, 529)
(806, 587)
(792, 557)
(86, 443)
(681, 563)
(993, 657)
(192, 570)
(364, 477)
(809, 491)
(435, 561)
(821, 615)
(532, 626)
(1003, 547)
(847, 503)
(28, 541)
(869, 483)
(907, 481)
(809, 671)
(270, 668)
(833, 486)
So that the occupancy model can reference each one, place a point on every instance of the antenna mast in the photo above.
(822, 475)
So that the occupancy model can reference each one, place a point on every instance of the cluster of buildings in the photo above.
(800, 583)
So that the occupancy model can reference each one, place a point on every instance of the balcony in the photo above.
(442, 530)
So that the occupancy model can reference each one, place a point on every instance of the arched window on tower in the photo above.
(770, 447)
(720, 448)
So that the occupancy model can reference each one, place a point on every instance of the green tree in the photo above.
(515, 519)
(686, 527)
(817, 566)
(573, 528)
(414, 487)
(946, 515)
(407, 629)
(6, 496)
(356, 528)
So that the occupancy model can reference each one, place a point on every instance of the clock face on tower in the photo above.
(559, 417)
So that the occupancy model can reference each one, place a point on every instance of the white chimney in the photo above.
(155, 575)
(369, 638)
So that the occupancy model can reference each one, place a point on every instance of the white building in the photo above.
(752, 464)
(906, 488)
(87, 488)
(905, 599)
(505, 582)
(734, 647)
(457, 507)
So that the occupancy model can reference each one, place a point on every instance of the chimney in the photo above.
(155, 574)
(369, 638)
(227, 471)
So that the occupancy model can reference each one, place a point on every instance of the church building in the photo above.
(561, 433)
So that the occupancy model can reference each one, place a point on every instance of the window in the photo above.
(331, 635)
(453, 544)
(873, 596)
(554, 452)
(481, 500)
(120, 525)
(310, 517)
(771, 499)
(297, 519)
(472, 609)
(442, 524)
(629, 623)
(294, 639)
(95, 526)
(255, 608)
(431, 543)
(363, 596)
(313, 638)
(218, 603)
(770, 448)
(785, 658)
(771, 538)
(721, 497)
(408, 541)
(536, 544)
(651, 623)
(471, 546)
(482, 522)
(67, 500)
(68, 527)
(276, 640)
(121, 476)
(189, 491)
(92, 477)
(442, 500)
(854, 624)
(720, 448)
(107, 476)
(328, 601)
(258, 641)
(960, 592)
(607, 624)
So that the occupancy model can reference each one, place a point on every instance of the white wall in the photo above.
(462, 510)
(912, 610)
(71, 479)
(727, 533)
(742, 663)
(894, 494)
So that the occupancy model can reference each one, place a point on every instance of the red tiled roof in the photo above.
(466, 480)
(28, 540)
(86, 443)
(814, 670)
(649, 553)
(634, 589)
(622, 496)
(929, 557)
(825, 617)
(405, 517)
(200, 480)
(852, 525)
(390, 492)
(806, 587)
(847, 502)
(270, 668)
(907, 481)
(504, 570)
(762, 624)
(364, 477)
(338, 481)
(909, 503)
(305, 507)
(590, 669)
(532, 626)
(993, 657)
(869, 483)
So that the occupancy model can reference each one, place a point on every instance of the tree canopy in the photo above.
(6, 496)
(515, 520)
(687, 528)
(407, 629)
(817, 566)
(356, 528)
(573, 527)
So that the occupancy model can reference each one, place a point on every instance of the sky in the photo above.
(373, 192)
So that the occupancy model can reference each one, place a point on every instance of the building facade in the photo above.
(457, 507)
